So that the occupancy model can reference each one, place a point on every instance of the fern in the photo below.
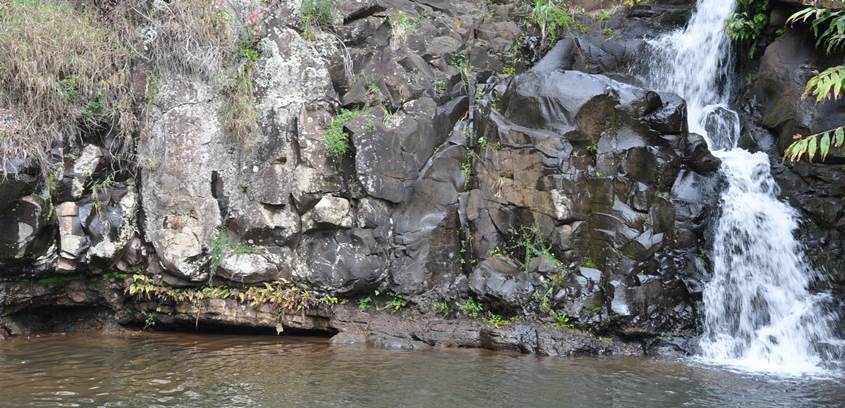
(826, 84)
(817, 143)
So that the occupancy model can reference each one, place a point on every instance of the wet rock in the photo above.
(785, 67)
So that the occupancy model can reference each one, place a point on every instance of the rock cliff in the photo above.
(480, 196)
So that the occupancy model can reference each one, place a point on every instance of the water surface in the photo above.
(194, 370)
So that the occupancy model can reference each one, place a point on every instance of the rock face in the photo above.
(477, 186)
(599, 170)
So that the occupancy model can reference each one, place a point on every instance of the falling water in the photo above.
(759, 312)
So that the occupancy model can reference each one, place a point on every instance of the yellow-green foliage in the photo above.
(282, 294)
(817, 143)
(59, 67)
(826, 84)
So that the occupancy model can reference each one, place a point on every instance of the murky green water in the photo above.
(186, 370)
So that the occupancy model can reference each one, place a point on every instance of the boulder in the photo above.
(501, 283)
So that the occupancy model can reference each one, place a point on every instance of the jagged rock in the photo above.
(340, 261)
(501, 283)
(113, 224)
(785, 67)
(73, 241)
(252, 268)
(83, 168)
(329, 210)
(591, 162)
(23, 227)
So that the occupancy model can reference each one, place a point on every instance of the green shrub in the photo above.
(441, 308)
(748, 22)
(365, 303)
(403, 24)
(829, 28)
(526, 243)
(494, 319)
(396, 302)
(336, 139)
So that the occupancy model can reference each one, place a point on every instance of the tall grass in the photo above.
(60, 71)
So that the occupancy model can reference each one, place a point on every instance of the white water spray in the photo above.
(759, 312)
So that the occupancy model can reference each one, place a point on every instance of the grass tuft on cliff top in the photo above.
(61, 71)
(65, 67)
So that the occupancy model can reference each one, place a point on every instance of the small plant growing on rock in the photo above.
(224, 243)
(439, 87)
(529, 242)
(336, 139)
(562, 321)
(317, 13)
(240, 117)
(472, 309)
(149, 319)
(748, 22)
(550, 16)
(403, 24)
(494, 319)
(441, 308)
(396, 302)
(365, 303)
(589, 263)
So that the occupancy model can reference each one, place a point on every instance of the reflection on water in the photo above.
(187, 370)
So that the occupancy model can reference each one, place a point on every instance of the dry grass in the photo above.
(65, 66)
(60, 71)
(186, 36)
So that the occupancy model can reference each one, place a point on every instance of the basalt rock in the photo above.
(559, 196)
(591, 162)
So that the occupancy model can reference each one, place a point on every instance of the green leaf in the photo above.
(840, 136)
(824, 145)
(802, 148)
(811, 147)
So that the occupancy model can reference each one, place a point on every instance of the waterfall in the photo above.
(760, 314)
